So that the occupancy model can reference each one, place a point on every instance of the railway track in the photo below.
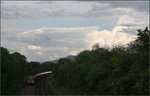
(42, 87)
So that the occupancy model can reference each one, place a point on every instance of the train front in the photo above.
(31, 80)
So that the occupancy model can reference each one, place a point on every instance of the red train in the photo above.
(31, 80)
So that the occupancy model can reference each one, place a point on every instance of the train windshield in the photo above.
(30, 79)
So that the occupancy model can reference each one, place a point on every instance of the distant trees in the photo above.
(46, 66)
(119, 71)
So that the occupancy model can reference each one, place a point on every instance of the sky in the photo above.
(49, 30)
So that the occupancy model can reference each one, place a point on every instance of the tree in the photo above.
(119, 71)
(143, 39)
(13, 71)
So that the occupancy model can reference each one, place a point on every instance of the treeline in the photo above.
(15, 69)
(101, 71)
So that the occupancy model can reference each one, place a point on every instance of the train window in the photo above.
(30, 79)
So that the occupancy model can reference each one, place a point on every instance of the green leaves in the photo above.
(120, 71)
(13, 72)
(143, 39)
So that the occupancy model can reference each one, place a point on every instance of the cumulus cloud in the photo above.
(130, 24)
(56, 36)
(107, 38)
(89, 35)
(51, 58)
(81, 37)
(50, 43)
(39, 53)
(56, 48)
(72, 52)
(34, 47)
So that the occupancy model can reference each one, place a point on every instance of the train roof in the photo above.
(48, 72)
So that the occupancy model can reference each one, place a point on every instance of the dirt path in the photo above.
(43, 87)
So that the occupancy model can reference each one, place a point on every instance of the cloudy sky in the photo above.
(48, 30)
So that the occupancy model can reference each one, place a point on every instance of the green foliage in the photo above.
(15, 70)
(143, 40)
(46, 66)
(119, 71)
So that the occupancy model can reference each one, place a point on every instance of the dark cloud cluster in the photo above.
(86, 9)
(139, 5)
